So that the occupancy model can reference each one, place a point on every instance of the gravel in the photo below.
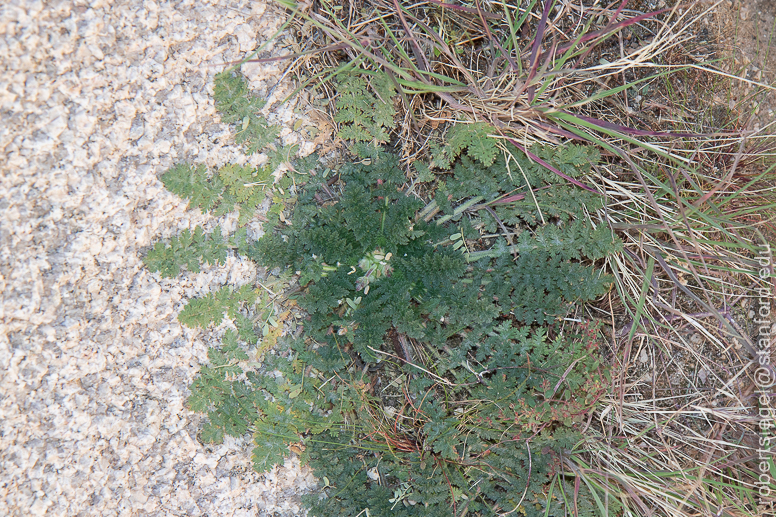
(97, 99)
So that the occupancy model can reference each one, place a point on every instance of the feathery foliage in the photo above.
(422, 382)
(472, 137)
(426, 390)
(240, 107)
(365, 116)
(189, 250)
(193, 183)
(232, 187)
(210, 309)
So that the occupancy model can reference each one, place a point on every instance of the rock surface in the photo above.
(97, 99)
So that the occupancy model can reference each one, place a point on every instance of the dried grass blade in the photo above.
(635, 132)
(493, 40)
(465, 9)
(419, 56)
(611, 28)
(642, 297)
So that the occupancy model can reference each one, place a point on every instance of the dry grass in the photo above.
(690, 186)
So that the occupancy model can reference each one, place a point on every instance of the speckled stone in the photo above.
(97, 99)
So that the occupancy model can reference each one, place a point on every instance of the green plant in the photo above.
(232, 187)
(239, 106)
(415, 386)
(467, 377)
(440, 305)
(472, 137)
(386, 412)
(534, 276)
(210, 309)
(188, 249)
(365, 117)
(483, 437)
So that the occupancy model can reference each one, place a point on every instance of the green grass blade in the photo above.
(642, 297)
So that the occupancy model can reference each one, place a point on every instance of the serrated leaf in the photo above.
(241, 181)
(161, 259)
(213, 249)
(269, 452)
(239, 106)
(201, 312)
(187, 249)
(241, 241)
(207, 390)
(233, 98)
(245, 329)
(483, 148)
(365, 114)
(474, 138)
(211, 434)
(230, 347)
(424, 172)
(192, 183)
(210, 309)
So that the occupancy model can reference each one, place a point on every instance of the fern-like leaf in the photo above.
(192, 183)
(364, 116)
(187, 249)
(238, 106)
(474, 138)
(210, 309)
